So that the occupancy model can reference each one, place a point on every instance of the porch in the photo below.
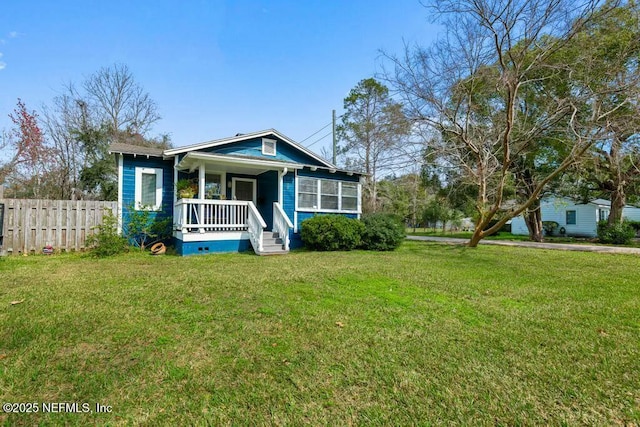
(229, 225)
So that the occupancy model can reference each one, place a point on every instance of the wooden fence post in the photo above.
(29, 225)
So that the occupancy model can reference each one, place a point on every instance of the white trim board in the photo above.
(120, 190)
(211, 236)
(223, 141)
(158, 172)
(252, 180)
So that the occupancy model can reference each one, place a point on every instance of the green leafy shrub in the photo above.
(634, 224)
(331, 233)
(106, 241)
(549, 227)
(145, 227)
(618, 234)
(382, 232)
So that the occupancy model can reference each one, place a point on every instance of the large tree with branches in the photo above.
(371, 134)
(469, 89)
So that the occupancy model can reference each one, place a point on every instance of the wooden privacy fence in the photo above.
(27, 226)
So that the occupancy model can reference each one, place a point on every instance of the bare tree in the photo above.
(62, 120)
(120, 101)
(470, 86)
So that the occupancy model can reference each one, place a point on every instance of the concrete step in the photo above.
(269, 253)
(272, 241)
(272, 244)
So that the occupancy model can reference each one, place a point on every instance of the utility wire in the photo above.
(317, 132)
(320, 139)
(320, 130)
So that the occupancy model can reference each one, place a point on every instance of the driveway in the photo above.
(553, 246)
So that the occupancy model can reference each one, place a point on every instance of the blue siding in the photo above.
(129, 165)
(206, 247)
(253, 147)
(267, 194)
(296, 241)
(288, 199)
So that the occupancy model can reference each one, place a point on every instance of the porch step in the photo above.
(272, 244)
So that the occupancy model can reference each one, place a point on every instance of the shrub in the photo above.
(106, 241)
(549, 227)
(331, 233)
(382, 232)
(618, 234)
(145, 227)
(633, 224)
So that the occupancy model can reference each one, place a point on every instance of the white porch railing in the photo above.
(210, 215)
(256, 225)
(281, 224)
(197, 215)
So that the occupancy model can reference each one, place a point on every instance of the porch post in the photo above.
(175, 179)
(201, 181)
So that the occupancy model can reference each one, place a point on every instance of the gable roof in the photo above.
(245, 136)
(136, 150)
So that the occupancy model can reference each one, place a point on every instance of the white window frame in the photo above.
(265, 150)
(223, 181)
(138, 188)
(310, 208)
(566, 216)
(234, 180)
(358, 209)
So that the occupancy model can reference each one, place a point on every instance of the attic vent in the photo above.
(268, 147)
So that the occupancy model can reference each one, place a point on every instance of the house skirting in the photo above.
(211, 242)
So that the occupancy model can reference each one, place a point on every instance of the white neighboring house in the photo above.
(576, 218)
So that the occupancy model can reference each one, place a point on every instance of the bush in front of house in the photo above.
(635, 225)
(382, 232)
(144, 227)
(331, 233)
(106, 241)
(617, 234)
(549, 227)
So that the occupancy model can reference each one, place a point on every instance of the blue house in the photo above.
(253, 191)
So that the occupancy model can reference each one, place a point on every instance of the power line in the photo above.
(320, 130)
(317, 132)
(320, 139)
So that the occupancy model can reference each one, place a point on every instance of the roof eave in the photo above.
(230, 140)
(271, 164)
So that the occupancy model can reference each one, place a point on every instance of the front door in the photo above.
(243, 189)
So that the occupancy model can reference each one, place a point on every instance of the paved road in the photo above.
(554, 246)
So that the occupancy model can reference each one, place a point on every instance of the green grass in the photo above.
(429, 334)
(465, 234)
(502, 235)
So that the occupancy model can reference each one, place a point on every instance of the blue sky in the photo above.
(215, 68)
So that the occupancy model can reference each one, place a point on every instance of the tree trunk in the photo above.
(475, 238)
(533, 219)
(618, 200)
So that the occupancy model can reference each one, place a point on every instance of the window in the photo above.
(329, 195)
(315, 194)
(212, 185)
(571, 218)
(308, 193)
(603, 214)
(148, 188)
(349, 196)
(268, 147)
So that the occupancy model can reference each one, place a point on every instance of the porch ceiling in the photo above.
(240, 165)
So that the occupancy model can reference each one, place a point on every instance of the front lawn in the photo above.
(428, 334)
